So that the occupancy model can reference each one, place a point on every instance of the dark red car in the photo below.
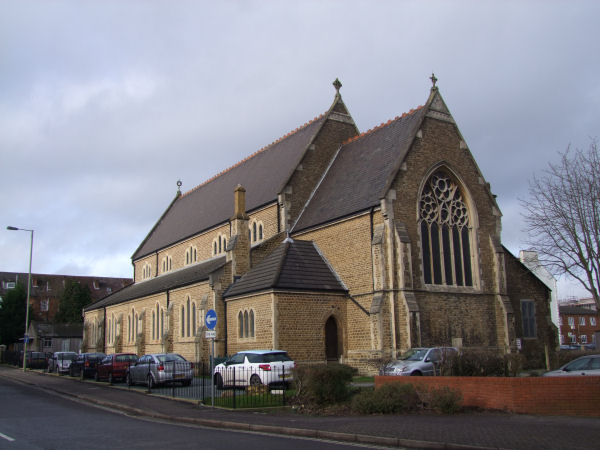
(114, 367)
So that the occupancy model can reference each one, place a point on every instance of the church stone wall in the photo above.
(204, 243)
(523, 285)
(347, 247)
(445, 311)
(262, 305)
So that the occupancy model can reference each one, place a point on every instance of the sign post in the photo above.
(211, 322)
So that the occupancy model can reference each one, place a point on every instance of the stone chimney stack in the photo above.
(238, 250)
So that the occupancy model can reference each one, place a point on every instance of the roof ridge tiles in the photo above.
(263, 149)
(381, 125)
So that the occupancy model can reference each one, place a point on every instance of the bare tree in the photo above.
(563, 217)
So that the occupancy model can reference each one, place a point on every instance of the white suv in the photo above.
(255, 367)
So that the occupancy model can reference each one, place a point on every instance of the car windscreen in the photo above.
(170, 358)
(67, 356)
(414, 354)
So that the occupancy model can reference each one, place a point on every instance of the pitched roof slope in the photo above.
(294, 265)
(360, 173)
(262, 174)
(172, 280)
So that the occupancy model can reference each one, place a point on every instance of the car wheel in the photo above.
(255, 380)
(150, 382)
(128, 379)
(416, 373)
(110, 378)
(219, 381)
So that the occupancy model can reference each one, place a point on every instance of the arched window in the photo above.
(255, 232)
(215, 248)
(136, 327)
(182, 321)
(162, 322)
(445, 233)
(193, 319)
(153, 325)
(157, 333)
(246, 324)
(188, 318)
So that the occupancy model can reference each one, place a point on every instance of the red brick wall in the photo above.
(569, 396)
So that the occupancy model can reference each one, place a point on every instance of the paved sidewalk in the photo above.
(423, 431)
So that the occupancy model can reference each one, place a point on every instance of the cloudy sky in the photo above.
(104, 105)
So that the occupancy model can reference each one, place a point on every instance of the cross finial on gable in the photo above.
(337, 85)
(179, 183)
(433, 80)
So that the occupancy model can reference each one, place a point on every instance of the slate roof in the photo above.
(293, 265)
(574, 310)
(362, 171)
(172, 280)
(263, 175)
(58, 329)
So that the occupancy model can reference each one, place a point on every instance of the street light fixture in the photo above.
(25, 337)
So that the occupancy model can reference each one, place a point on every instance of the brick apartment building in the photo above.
(578, 325)
(46, 289)
(333, 245)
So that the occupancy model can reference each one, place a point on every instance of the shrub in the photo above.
(445, 400)
(479, 363)
(323, 384)
(392, 398)
(514, 364)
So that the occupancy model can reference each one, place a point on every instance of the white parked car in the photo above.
(60, 362)
(585, 365)
(255, 367)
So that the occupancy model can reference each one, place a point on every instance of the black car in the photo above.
(84, 365)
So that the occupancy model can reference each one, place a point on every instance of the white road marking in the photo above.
(8, 438)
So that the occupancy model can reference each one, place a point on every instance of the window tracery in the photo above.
(445, 233)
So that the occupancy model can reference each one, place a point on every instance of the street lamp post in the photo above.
(25, 337)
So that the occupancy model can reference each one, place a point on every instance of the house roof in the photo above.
(575, 310)
(171, 280)
(263, 174)
(293, 265)
(360, 175)
(58, 329)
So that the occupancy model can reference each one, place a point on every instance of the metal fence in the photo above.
(231, 387)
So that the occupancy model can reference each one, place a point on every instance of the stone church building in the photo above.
(334, 245)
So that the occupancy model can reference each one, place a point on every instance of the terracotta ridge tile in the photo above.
(381, 125)
(265, 148)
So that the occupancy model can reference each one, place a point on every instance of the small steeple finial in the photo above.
(179, 183)
(337, 84)
(433, 80)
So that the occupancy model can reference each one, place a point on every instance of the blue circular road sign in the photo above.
(211, 319)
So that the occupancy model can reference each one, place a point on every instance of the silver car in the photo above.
(585, 365)
(60, 362)
(420, 361)
(160, 368)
